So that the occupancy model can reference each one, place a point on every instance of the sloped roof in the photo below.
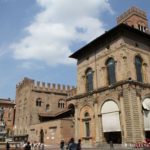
(7, 101)
(53, 114)
(107, 37)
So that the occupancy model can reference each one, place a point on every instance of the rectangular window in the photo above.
(87, 129)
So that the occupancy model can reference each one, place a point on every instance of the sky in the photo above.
(38, 36)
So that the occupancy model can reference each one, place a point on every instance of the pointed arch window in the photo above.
(61, 103)
(47, 107)
(138, 66)
(110, 63)
(86, 120)
(89, 80)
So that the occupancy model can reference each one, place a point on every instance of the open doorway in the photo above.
(115, 137)
(147, 134)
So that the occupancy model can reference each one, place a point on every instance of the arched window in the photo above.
(38, 102)
(61, 103)
(138, 66)
(47, 107)
(86, 114)
(89, 80)
(111, 71)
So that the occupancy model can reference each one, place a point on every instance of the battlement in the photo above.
(23, 82)
(129, 12)
(47, 87)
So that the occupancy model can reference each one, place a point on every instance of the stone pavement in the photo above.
(56, 147)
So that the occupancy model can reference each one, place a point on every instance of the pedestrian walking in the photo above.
(79, 144)
(72, 145)
(62, 144)
(7, 146)
(42, 146)
(27, 147)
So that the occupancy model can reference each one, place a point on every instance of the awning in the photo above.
(146, 104)
(147, 120)
(110, 117)
(111, 122)
(146, 113)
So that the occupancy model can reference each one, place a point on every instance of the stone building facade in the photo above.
(7, 118)
(113, 84)
(38, 102)
(112, 99)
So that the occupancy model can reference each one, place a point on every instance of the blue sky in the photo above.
(37, 36)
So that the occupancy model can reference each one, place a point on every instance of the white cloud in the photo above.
(57, 26)
(30, 65)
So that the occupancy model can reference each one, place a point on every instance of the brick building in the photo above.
(42, 112)
(112, 101)
(113, 83)
(7, 108)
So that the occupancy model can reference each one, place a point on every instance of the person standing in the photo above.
(72, 145)
(62, 144)
(27, 147)
(79, 144)
(42, 146)
(7, 146)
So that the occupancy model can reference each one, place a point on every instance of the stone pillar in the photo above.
(133, 128)
(96, 122)
(77, 129)
(122, 120)
(145, 71)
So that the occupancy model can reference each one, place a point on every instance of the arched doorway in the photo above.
(41, 136)
(146, 114)
(111, 122)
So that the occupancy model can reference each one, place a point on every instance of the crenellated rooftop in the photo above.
(47, 87)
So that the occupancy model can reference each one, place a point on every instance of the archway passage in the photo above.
(72, 112)
(111, 122)
(41, 136)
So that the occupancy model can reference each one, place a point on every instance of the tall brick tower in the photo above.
(136, 18)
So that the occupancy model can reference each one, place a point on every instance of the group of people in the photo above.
(71, 145)
(29, 146)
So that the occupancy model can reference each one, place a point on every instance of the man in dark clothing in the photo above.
(72, 145)
(62, 144)
(7, 146)
(79, 144)
(27, 147)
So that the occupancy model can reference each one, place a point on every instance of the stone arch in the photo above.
(108, 99)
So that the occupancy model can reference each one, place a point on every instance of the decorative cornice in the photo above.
(115, 85)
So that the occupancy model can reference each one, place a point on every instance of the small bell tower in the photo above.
(135, 18)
